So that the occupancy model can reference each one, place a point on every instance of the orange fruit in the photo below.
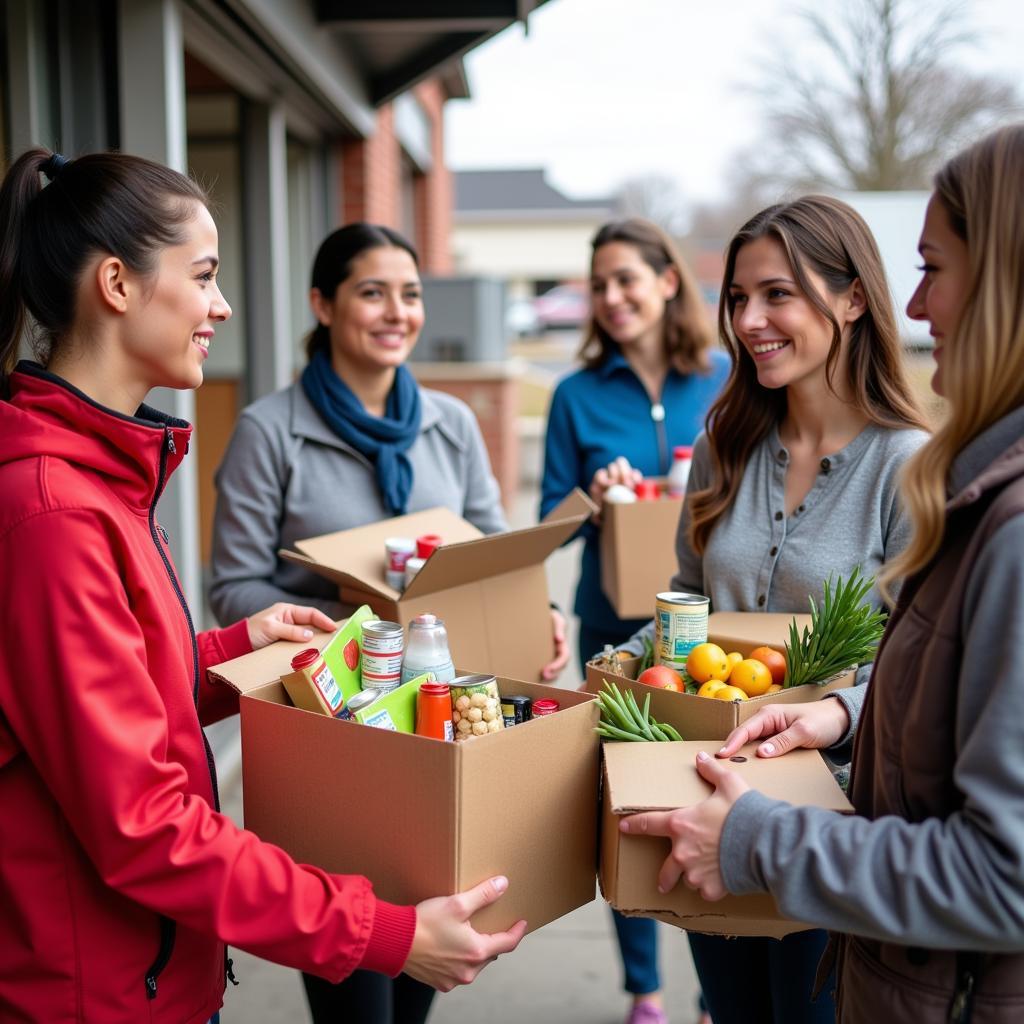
(773, 660)
(710, 688)
(707, 661)
(752, 677)
(775, 687)
(734, 658)
(730, 693)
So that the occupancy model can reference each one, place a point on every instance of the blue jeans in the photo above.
(638, 936)
(777, 979)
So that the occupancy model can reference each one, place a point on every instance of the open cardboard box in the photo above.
(703, 718)
(663, 776)
(638, 552)
(418, 816)
(491, 591)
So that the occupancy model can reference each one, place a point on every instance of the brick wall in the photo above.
(435, 197)
(371, 182)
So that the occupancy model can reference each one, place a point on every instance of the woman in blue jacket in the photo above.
(649, 377)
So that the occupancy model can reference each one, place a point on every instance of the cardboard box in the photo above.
(663, 776)
(703, 718)
(638, 553)
(420, 817)
(491, 591)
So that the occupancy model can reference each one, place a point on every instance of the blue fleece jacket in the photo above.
(597, 415)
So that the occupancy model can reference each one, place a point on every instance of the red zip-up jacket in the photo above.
(119, 880)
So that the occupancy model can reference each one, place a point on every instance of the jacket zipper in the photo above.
(167, 926)
(167, 932)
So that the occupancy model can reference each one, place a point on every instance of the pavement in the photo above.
(565, 973)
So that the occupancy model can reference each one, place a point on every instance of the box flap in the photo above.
(454, 565)
(267, 664)
(662, 776)
(574, 506)
(356, 557)
(753, 629)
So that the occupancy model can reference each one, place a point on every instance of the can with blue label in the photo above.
(680, 624)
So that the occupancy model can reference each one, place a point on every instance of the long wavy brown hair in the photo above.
(983, 361)
(830, 238)
(687, 331)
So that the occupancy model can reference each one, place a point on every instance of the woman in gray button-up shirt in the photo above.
(796, 479)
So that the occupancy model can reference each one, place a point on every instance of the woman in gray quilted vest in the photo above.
(924, 885)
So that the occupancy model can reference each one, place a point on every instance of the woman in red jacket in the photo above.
(120, 881)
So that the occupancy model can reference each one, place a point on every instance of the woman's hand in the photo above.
(283, 621)
(553, 669)
(617, 472)
(820, 724)
(446, 949)
(696, 832)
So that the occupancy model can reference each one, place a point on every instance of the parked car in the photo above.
(564, 306)
(521, 318)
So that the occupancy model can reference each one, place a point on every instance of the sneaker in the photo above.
(647, 1013)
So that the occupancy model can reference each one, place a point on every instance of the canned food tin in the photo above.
(680, 624)
(360, 700)
(515, 710)
(381, 658)
(311, 664)
(413, 566)
(544, 707)
(398, 551)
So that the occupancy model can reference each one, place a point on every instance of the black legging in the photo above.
(366, 997)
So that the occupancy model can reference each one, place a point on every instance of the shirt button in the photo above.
(774, 551)
(782, 455)
(826, 465)
(800, 509)
(657, 412)
(778, 516)
(760, 600)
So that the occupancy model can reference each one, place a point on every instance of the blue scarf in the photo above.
(383, 440)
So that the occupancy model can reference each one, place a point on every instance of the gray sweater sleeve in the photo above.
(251, 483)
(953, 884)
(483, 496)
(689, 576)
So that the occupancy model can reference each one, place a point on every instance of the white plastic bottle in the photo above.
(427, 650)
(678, 475)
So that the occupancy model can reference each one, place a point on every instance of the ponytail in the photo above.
(20, 187)
(113, 203)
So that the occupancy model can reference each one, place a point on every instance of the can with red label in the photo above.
(381, 658)
(310, 663)
(399, 550)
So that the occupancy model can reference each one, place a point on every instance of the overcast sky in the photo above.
(603, 90)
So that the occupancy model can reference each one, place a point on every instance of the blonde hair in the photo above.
(983, 361)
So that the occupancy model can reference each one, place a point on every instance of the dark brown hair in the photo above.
(687, 332)
(111, 203)
(827, 236)
(333, 264)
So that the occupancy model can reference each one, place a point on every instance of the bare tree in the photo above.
(872, 100)
(657, 198)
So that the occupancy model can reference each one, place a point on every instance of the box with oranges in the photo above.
(741, 635)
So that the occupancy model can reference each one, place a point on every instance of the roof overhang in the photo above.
(397, 43)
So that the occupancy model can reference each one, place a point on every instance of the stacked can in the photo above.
(381, 658)
(399, 551)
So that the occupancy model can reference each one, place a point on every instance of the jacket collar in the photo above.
(135, 454)
(615, 362)
(993, 457)
(307, 422)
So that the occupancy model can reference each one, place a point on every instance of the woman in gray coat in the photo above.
(353, 441)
